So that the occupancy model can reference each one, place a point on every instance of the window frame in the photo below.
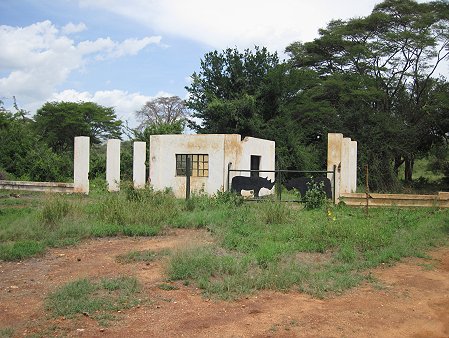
(199, 165)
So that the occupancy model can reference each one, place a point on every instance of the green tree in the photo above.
(389, 59)
(24, 155)
(223, 95)
(250, 93)
(59, 122)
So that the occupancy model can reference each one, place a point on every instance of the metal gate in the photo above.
(280, 175)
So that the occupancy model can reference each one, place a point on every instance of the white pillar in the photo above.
(334, 148)
(113, 165)
(139, 155)
(81, 164)
(346, 170)
(353, 166)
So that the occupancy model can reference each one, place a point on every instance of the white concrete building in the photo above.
(210, 155)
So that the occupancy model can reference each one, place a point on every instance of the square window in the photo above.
(199, 164)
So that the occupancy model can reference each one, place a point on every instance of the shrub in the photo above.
(228, 198)
(315, 196)
(3, 174)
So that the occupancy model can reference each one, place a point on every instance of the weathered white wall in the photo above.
(139, 156)
(334, 144)
(221, 149)
(81, 164)
(113, 165)
(342, 152)
(345, 178)
(163, 150)
(353, 167)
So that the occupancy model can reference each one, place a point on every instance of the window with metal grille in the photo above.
(199, 164)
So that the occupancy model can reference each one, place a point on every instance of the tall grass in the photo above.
(26, 229)
(254, 254)
(257, 245)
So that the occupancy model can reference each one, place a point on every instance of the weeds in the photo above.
(141, 256)
(255, 254)
(6, 332)
(94, 298)
(315, 196)
(55, 209)
(15, 251)
(257, 245)
(275, 212)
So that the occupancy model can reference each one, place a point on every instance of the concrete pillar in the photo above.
(334, 148)
(81, 164)
(139, 155)
(353, 166)
(113, 165)
(345, 180)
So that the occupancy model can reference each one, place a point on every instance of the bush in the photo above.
(315, 196)
(228, 198)
(4, 175)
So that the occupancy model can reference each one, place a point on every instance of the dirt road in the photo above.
(410, 299)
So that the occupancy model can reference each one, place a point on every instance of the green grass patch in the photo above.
(97, 299)
(258, 245)
(141, 256)
(6, 332)
(167, 287)
(42, 220)
(18, 250)
(317, 251)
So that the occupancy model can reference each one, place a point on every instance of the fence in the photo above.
(279, 179)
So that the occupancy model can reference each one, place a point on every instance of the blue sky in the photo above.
(123, 53)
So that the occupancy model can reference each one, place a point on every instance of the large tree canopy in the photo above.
(163, 115)
(162, 111)
(59, 122)
(223, 94)
(252, 94)
(387, 61)
(23, 154)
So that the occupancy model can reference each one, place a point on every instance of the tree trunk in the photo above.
(398, 160)
(409, 162)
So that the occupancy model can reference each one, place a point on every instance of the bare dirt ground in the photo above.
(410, 300)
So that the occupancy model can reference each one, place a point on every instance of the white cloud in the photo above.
(221, 24)
(125, 103)
(71, 28)
(133, 46)
(36, 59)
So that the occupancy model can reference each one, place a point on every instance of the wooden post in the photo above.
(366, 189)
(228, 178)
(334, 169)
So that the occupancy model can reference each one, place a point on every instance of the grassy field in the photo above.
(258, 245)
